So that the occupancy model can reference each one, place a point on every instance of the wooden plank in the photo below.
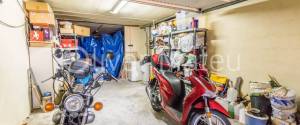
(40, 44)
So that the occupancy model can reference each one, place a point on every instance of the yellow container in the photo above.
(218, 78)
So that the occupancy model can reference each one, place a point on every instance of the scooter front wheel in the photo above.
(200, 118)
(154, 100)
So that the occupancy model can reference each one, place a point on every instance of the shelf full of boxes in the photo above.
(46, 31)
(68, 35)
(42, 24)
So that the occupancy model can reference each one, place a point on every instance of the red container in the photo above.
(36, 35)
(68, 43)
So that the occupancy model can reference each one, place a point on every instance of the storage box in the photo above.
(81, 31)
(68, 43)
(38, 7)
(41, 18)
(36, 35)
(46, 32)
(65, 24)
(66, 30)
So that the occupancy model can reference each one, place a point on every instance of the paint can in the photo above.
(283, 101)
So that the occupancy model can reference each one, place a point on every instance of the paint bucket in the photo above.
(255, 117)
(286, 115)
(259, 87)
(286, 101)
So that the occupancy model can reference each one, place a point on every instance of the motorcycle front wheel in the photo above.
(200, 118)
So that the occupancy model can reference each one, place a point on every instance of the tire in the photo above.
(153, 94)
(195, 118)
(156, 108)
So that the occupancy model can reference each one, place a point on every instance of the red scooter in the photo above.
(189, 100)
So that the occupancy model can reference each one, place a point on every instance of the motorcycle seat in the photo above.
(176, 85)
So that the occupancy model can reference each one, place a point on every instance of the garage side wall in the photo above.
(255, 40)
(136, 37)
(14, 104)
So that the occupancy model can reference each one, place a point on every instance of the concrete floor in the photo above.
(125, 103)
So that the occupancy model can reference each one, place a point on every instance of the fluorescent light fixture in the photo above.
(119, 6)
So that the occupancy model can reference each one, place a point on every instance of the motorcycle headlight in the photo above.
(74, 103)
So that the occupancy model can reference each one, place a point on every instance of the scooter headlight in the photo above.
(74, 103)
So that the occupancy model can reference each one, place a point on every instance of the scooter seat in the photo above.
(176, 85)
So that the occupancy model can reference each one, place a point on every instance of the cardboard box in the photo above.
(36, 35)
(82, 31)
(66, 30)
(34, 6)
(68, 43)
(47, 33)
(41, 18)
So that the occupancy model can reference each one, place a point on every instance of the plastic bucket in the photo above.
(255, 118)
(284, 102)
(287, 115)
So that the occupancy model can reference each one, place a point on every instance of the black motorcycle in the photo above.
(78, 99)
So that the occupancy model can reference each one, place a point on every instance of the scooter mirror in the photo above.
(58, 53)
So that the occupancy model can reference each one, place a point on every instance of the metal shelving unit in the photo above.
(70, 35)
(202, 50)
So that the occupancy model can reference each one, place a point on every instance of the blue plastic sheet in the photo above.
(115, 45)
(97, 48)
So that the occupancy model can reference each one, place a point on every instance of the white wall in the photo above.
(14, 104)
(137, 37)
(41, 65)
(261, 39)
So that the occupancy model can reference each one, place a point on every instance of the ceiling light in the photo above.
(119, 6)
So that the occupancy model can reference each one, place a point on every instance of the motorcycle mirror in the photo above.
(110, 55)
(58, 53)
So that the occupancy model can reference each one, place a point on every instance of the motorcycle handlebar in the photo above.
(56, 75)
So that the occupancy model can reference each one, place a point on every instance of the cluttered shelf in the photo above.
(182, 31)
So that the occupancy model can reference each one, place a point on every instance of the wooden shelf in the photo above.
(68, 34)
(40, 44)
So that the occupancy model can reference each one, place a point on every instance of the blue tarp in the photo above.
(97, 48)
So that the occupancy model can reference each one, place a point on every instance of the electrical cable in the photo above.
(21, 6)
(15, 26)
(11, 26)
(53, 86)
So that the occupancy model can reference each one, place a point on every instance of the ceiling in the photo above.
(203, 4)
(98, 11)
(133, 13)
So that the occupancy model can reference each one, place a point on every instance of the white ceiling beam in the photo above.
(166, 5)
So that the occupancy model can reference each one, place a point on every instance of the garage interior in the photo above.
(150, 62)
